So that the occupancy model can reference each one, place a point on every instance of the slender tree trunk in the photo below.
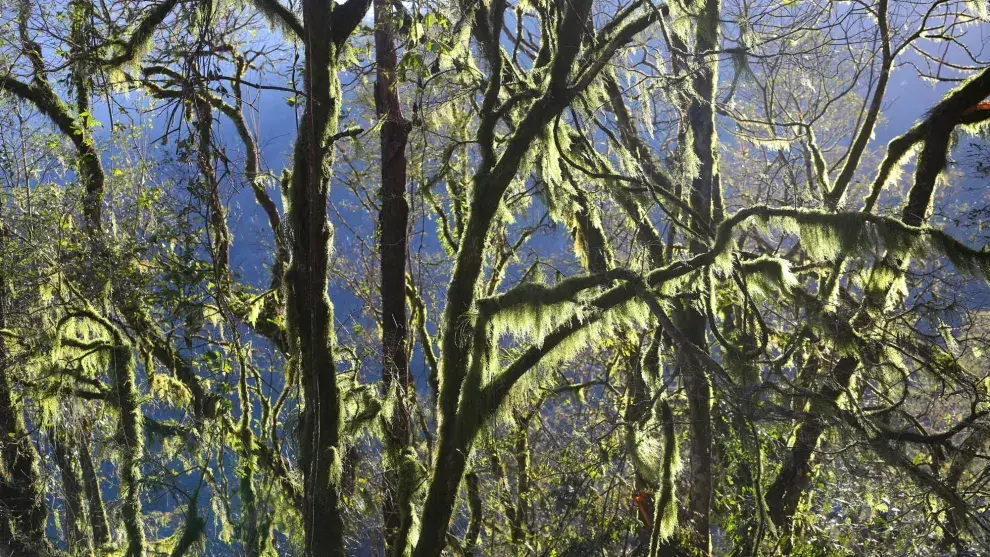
(393, 221)
(254, 540)
(472, 483)
(217, 212)
(520, 517)
(90, 165)
(705, 199)
(94, 497)
(77, 537)
(794, 478)
(457, 425)
(131, 437)
(956, 518)
(699, 395)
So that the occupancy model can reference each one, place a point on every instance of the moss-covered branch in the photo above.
(953, 110)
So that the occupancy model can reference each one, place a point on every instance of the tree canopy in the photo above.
(501, 277)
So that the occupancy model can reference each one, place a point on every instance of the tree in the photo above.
(521, 261)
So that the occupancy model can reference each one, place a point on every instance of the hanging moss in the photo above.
(526, 319)
(828, 235)
(883, 287)
(665, 519)
(769, 276)
(279, 17)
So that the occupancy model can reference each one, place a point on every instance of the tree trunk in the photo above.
(393, 221)
(705, 199)
(309, 312)
(94, 497)
(699, 395)
(795, 477)
(77, 538)
(130, 435)
(23, 514)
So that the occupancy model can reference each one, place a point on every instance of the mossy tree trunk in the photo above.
(97, 513)
(63, 449)
(705, 198)
(23, 513)
(309, 312)
(130, 435)
(73, 124)
(795, 476)
(458, 415)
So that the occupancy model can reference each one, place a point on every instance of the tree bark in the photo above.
(309, 312)
(23, 513)
(393, 222)
(705, 198)
(795, 476)
(76, 535)
(94, 497)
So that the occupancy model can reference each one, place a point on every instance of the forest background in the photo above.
(545, 277)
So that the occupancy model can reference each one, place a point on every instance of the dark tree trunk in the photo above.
(795, 477)
(63, 450)
(309, 312)
(393, 221)
(477, 513)
(705, 198)
(699, 395)
(520, 515)
(94, 497)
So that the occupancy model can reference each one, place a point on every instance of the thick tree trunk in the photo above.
(21, 490)
(309, 312)
(23, 513)
(90, 165)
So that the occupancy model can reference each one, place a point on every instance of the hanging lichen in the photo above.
(665, 519)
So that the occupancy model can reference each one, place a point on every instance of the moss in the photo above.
(122, 370)
(665, 519)
(769, 276)
(279, 17)
(195, 527)
(829, 235)
(169, 389)
(140, 43)
(131, 437)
